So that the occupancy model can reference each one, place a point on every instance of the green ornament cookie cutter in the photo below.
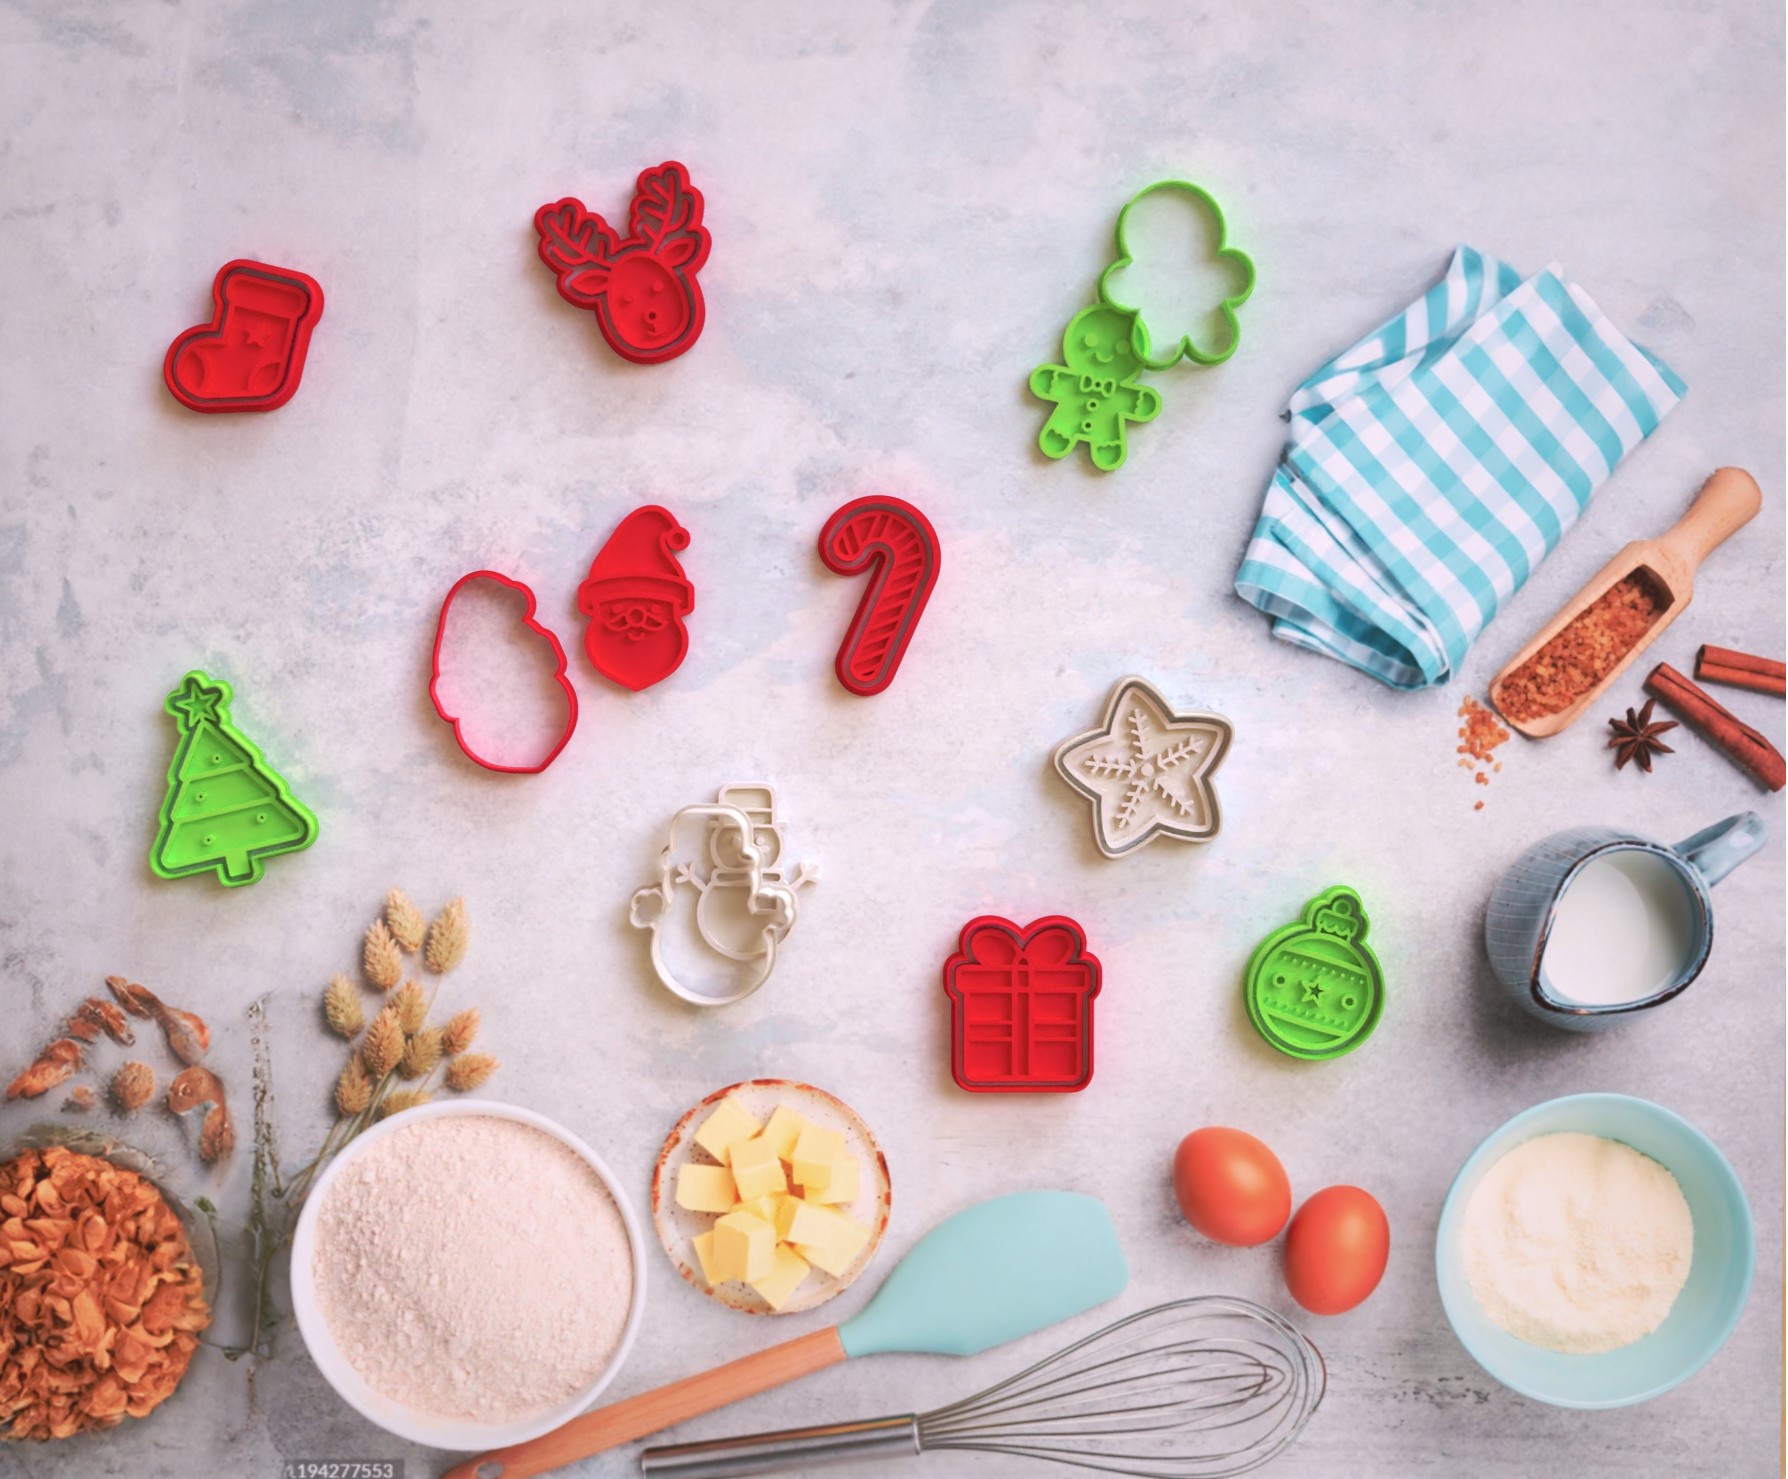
(226, 809)
(1185, 348)
(1314, 989)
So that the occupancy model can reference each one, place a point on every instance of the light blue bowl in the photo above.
(1704, 1313)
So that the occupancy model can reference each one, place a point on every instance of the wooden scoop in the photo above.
(1727, 501)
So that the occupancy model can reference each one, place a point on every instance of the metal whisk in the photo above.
(1196, 1389)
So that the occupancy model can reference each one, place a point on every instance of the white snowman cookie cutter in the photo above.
(744, 908)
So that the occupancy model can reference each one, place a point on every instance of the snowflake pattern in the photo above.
(1147, 770)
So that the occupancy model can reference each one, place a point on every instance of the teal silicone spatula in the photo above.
(993, 1272)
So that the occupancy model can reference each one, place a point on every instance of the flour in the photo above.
(1577, 1244)
(473, 1268)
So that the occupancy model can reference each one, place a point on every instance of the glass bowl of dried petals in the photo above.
(106, 1285)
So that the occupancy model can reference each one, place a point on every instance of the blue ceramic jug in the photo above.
(1524, 908)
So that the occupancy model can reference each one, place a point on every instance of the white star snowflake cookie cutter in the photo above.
(1147, 770)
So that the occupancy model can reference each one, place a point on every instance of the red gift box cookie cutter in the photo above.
(897, 542)
(1021, 1007)
(642, 287)
(250, 357)
(559, 674)
(636, 596)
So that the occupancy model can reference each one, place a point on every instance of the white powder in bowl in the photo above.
(1577, 1244)
(473, 1268)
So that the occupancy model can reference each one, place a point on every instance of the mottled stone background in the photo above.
(907, 203)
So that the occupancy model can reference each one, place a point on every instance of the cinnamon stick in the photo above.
(1741, 670)
(1729, 734)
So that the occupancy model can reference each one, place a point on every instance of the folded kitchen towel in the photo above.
(1430, 468)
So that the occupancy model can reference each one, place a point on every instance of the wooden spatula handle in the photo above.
(1727, 501)
(652, 1412)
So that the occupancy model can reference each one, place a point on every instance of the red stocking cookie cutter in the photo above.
(250, 357)
(642, 287)
(1021, 1007)
(636, 597)
(456, 721)
(897, 541)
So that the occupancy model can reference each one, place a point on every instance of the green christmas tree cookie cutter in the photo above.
(1186, 348)
(1314, 989)
(226, 809)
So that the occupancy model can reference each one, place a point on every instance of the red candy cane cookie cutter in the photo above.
(894, 539)
(642, 287)
(250, 357)
(1021, 1007)
(559, 674)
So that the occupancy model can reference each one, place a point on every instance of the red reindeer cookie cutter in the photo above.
(456, 720)
(1021, 1007)
(899, 543)
(250, 357)
(636, 596)
(642, 287)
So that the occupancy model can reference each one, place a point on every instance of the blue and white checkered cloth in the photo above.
(1430, 468)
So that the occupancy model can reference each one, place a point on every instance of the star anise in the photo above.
(1636, 738)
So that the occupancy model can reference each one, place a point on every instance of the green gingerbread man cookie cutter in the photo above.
(226, 809)
(1314, 989)
(1106, 347)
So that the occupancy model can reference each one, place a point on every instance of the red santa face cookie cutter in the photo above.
(636, 597)
(457, 721)
(895, 541)
(642, 287)
(1021, 1007)
(250, 357)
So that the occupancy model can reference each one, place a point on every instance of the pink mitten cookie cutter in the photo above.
(560, 674)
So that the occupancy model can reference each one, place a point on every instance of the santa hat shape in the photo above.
(639, 560)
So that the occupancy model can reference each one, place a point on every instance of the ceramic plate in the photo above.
(677, 1226)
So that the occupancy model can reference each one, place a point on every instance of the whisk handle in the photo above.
(792, 1448)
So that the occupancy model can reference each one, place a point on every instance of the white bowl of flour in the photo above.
(468, 1275)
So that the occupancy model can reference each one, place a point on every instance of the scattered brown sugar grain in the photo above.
(1480, 732)
(1585, 650)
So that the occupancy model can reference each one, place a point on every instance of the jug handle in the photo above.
(1715, 851)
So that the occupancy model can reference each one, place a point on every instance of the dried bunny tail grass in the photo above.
(405, 921)
(469, 1071)
(448, 937)
(133, 1086)
(410, 1005)
(380, 957)
(457, 1035)
(421, 1053)
(400, 1101)
(353, 1090)
(383, 1044)
(341, 1007)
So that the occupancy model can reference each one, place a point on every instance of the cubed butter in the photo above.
(782, 1130)
(767, 1208)
(704, 1254)
(785, 1276)
(816, 1152)
(744, 1247)
(705, 1188)
(804, 1222)
(730, 1123)
(842, 1189)
(844, 1242)
(756, 1170)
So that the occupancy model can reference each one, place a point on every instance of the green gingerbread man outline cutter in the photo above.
(226, 809)
(1105, 347)
(1314, 989)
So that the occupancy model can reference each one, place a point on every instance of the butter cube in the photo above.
(705, 1188)
(842, 1189)
(756, 1170)
(783, 1129)
(787, 1275)
(744, 1247)
(704, 1255)
(730, 1123)
(816, 1152)
(839, 1252)
(803, 1222)
(764, 1207)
